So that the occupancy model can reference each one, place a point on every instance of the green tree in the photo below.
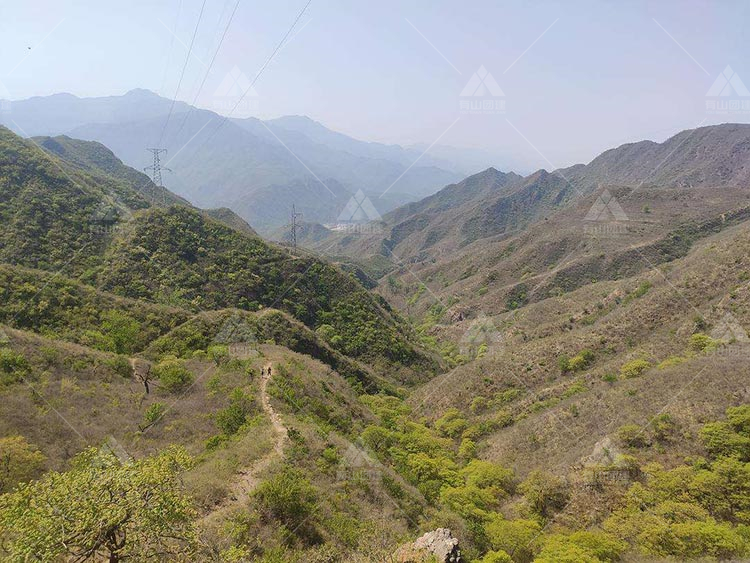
(102, 508)
(122, 329)
(544, 492)
(519, 537)
(288, 497)
(173, 375)
(20, 461)
(231, 419)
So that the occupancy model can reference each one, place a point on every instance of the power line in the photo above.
(210, 65)
(182, 74)
(171, 46)
(249, 88)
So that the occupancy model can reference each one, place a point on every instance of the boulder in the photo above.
(439, 543)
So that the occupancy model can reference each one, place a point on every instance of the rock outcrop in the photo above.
(439, 543)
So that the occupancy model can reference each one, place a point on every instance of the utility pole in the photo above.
(295, 216)
(156, 167)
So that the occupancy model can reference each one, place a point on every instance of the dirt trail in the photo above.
(249, 478)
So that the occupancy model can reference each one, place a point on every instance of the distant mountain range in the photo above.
(694, 177)
(257, 168)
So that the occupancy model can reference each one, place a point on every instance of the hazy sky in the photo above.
(574, 78)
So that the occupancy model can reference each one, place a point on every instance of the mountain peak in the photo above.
(140, 93)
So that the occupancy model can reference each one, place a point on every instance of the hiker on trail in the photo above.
(269, 371)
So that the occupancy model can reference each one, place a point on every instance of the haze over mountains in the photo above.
(257, 168)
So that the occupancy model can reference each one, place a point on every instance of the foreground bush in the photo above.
(102, 508)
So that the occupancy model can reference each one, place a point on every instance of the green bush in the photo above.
(13, 366)
(519, 537)
(233, 417)
(730, 437)
(700, 342)
(545, 493)
(20, 461)
(451, 423)
(496, 557)
(173, 375)
(634, 368)
(287, 497)
(154, 413)
(632, 436)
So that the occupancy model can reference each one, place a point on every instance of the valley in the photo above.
(508, 371)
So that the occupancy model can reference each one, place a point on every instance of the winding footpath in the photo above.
(249, 478)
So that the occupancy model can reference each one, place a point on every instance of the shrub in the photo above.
(478, 405)
(545, 493)
(154, 413)
(700, 342)
(120, 365)
(663, 427)
(563, 362)
(467, 449)
(288, 497)
(173, 375)
(496, 557)
(106, 509)
(20, 461)
(218, 353)
(121, 330)
(671, 361)
(487, 475)
(634, 368)
(231, 419)
(13, 366)
(730, 437)
(451, 423)
(632, 435)
(513, 536)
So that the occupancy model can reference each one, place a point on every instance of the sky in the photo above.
(540, 84)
